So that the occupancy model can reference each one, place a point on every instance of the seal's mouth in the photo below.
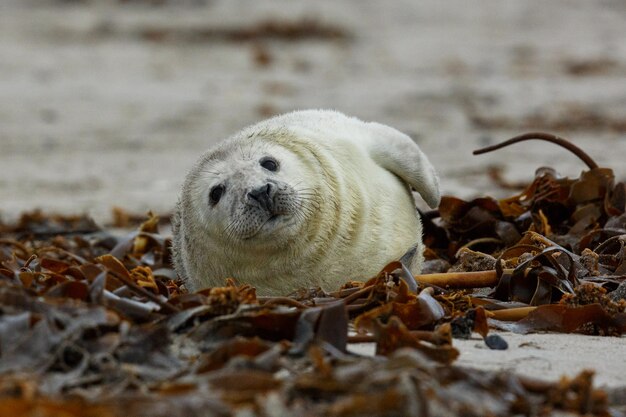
(273, 222)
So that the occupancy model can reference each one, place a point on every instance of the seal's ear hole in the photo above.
(215, 194)
(269, 163)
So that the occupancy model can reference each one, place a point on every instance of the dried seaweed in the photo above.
(270, 30)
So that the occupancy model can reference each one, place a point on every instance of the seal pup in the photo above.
(299, 200)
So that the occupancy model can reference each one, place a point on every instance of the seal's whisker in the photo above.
(300, 216)
(206, 171)
(303, 189)
(302, 211)
(302, 207)
(309, 191)
(297, 184)
(308, 195)
(230, 229)
(306, 209)
(240, 149)
(310, 201)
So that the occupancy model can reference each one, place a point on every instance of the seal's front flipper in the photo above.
(397, 153)
(409, 256)
(408, 261)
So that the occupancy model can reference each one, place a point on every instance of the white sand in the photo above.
(545, 356)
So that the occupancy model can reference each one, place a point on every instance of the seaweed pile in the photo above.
(97, 324)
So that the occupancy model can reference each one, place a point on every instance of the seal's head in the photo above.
(311, 198)
(250, 193)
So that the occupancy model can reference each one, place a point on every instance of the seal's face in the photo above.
(251, 193)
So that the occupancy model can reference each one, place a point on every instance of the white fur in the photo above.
(346, 191)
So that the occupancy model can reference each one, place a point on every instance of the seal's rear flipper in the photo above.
(397, 153)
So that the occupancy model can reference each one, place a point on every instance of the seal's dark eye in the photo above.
(270, 164)
(216, 194)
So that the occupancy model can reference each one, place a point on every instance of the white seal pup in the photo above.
(303, 199)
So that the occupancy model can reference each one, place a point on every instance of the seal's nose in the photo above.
(263, 196)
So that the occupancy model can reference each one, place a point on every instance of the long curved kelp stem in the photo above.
(548, 137)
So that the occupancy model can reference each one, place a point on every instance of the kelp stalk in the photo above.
(548, 137)
(460, 279)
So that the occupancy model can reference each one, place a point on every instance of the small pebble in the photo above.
(496, 342)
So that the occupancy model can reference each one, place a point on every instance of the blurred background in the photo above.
(108, 102)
